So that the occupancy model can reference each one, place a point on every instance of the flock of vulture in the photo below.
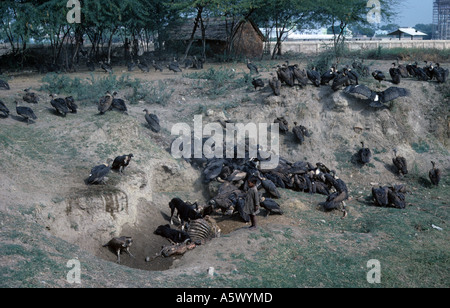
(232, 173)
(348, 79)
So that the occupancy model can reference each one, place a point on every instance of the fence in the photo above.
(314, 47)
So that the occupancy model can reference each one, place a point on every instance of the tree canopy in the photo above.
(145, 20)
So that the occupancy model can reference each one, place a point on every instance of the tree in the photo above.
(339, 14)
(283, 16)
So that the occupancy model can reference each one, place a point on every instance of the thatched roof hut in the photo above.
(240, 38)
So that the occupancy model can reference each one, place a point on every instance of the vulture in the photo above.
(119, 244)
(25, 112)
(157, 66)
(173, 66)
(434, 174)
(313, 76)
(153, 121)
(4, 85)
(300, 76)
(105, 102)
(98, 173)
(121, 162)
(395, 74)
(337, 198)
(400, 163)
(4, 109)
(275, 85)
(440, 74)
(377, 98)
(364, 154)
(380, 196)
(258, 83)
(119, 104)
(339, 81)
(283, 124)
(59, 104)
(106, 67)
(379, 75)
(30, 97)
(271, 206)
(285, 75)
(403, 70)
(419, 72)
(328, 76)
(71, 104)
(131, 66)
(300, 132)
(352, 75)
(269, 187)
(143, 67)
(252, 67)
(410, 69)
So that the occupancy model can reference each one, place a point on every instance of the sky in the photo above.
(412, 12)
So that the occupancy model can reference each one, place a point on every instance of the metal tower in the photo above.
(441, 20)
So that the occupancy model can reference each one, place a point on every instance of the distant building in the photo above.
(408, 33)
(441, 20)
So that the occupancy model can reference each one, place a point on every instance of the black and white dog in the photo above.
(185, 212)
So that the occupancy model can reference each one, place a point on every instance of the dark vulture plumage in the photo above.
(121, 162)
(30, 97)
(98, 173)
(300, 132)
(434, 175)
(379, 75)
(313, 76)
(400, 163)
(258, 83)
(4, 109)
(364, 154)
(403, 70)
(143, 67)
(252, 67)
(4, 85)
(283, 124)
(153, 121)
(174, 66)
(419, 72)
(106, 67)
(157, 66)
(339, 81)
(395, 74)
(105, 103)
(440, 74)
(269, 187)
(352, 75)
(275, 85)
(131, 65)
(119, 105)
(380, 196)
(336, 199)
(377, 98)
(300, 76)
(71, 104)
(328, 76)
(271, 206)
(25, 112)
(389, 196)
(285, 75)
(59, 104)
